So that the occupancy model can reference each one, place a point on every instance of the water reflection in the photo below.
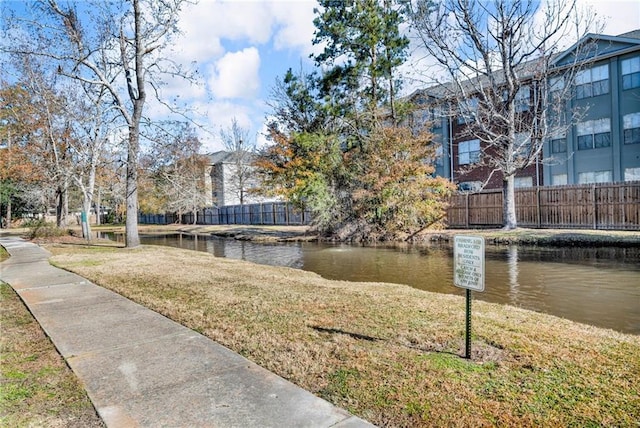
(512, 263)
(599, 286)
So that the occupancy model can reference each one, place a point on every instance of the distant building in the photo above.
(603, 146)
(234, 180)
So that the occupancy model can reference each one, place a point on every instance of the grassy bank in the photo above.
(547, 237)
(388, 353)
(37, 389)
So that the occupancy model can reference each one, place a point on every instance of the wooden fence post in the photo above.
(595, 207)
(261, 213)
(538, 213)
(466, 209)
(286, 213)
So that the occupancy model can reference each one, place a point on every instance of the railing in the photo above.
(593, 206)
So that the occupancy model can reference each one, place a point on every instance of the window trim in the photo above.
(587, 138)
(628, 171)
(609, 178)
(631, 128)
(522, 100)
(468, 110)
(517, 181)
(588, 87)
(554, 179)
(631, 78)
(471, 159)
(556, 141)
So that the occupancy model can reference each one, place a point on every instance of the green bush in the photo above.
(43, 229)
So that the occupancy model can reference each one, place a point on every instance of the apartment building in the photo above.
(234, 180)
(600, 144)
(604, 143)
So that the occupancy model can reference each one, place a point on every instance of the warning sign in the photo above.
(468, 262)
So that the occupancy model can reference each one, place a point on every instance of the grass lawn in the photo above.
(388, 353)
(37, 389)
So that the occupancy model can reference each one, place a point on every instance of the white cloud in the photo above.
(219, 116)
(178, 89)
(295, 24)
(618, 16)
(236, 75)
(207, 23)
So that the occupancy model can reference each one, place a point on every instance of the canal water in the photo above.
(597, 286)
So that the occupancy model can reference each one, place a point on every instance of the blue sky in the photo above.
(241, 46)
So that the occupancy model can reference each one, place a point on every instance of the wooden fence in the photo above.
(613, 206)
(593, 206)
(273, 213)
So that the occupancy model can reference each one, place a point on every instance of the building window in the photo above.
(522, 144)
(523, 182)
(523, 99)
(468, 110)
(556, 87)
(594, 177)
(435, 114)
(470, 186)
(631, 72)
(439, 155)
(631, 125)
(592, 82)
(632, 174)
(559, 180)
(559, 145)
(468, 152)
(594, 134)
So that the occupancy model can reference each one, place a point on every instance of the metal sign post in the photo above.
(468, 273)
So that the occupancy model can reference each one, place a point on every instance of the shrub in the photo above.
(42, 229)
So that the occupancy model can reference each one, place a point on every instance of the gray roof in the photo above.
(224, 156)
(527, 69)
(634, 34)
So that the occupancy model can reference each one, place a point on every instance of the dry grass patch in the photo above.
(388, 353)
(37, 389)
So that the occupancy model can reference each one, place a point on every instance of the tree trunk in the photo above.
(509, 205)
(8, 217)
(86, 215)
(131, 224)
(137, 95)
(62, 206)
(99, 208)
(58, 207)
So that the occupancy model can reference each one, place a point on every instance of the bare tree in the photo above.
(498, 74)
(178, 169)
(93, 128)
(121, 54)
(242, 149)
(51, 135)
(73, 122)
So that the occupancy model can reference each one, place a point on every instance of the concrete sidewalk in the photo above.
(141, 369)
